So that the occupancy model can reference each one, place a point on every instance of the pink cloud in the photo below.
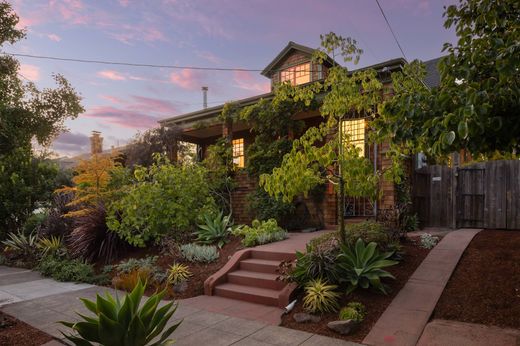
(54, 37)
(124, 3)
(130, 33)
(122, 117)
(139, 112)
(110, 74)
(30, 72)
(187, 79)
(245, 80)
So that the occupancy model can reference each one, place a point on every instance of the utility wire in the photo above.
(391, 30)
(121, 63)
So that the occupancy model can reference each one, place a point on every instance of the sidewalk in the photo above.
(41, 302)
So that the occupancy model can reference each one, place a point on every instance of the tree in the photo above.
(324, 153)
(476, 107)
(26, 114)
(158, 140)
(91, 184)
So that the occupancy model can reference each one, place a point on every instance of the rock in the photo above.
(302, 317)
(180, 287)
(343, 327)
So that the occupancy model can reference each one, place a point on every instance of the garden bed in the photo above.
(14, 332)
(375, 303)
(485, 286)
(200, 271)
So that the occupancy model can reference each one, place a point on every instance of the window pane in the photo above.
(354, 130)
(238, 152)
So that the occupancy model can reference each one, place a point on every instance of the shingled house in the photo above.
(294, 64)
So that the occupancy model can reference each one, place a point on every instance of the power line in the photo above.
(121, 63)
(391, 30)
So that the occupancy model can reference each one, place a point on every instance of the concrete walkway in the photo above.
(453, 333)
(41, 302)
(404, 320)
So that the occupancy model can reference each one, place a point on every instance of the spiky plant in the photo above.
(178, 273)
(51, 246)
(92, 240)
(320, 297)
(126, 322)
(216, 230)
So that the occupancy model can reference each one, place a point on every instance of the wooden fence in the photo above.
(481, 195)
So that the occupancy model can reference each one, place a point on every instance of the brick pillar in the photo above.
(227, 130)
(173, 152)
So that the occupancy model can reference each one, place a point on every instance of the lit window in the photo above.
(354, 130)
(238, 152)
(299, 74)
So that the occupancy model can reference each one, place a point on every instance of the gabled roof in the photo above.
(290, 47)
(433, 76)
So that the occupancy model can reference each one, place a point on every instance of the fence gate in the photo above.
(482, 195)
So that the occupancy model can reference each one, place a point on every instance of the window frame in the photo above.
(355, 132)
(238, 152)
(293, 71)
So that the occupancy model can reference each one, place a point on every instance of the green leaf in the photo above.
(463, 129)
(449, 138)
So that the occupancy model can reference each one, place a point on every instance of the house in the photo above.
(294, 64)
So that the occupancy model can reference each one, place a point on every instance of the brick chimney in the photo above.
(96, 143)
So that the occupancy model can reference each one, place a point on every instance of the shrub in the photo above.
(216, 229)
(24, 245)
(56, 224)
(315, 263)
(128, 280)
(368, 231)
(320, 297)
(63, 269)
(428, 241)
(132, 264)
(92, 240)
(361, 266)
(199, 253)
(265, 207)
(51, 246)
(178, 273)
(128, 322)
(260, 232)
(34, 222)
(353, 311)
(166, 199)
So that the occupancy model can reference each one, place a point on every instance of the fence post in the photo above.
(454, 183)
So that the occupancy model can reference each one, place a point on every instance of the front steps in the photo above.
(251, 275)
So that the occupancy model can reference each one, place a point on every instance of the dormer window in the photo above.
(299, 74)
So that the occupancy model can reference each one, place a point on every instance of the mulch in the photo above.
(374, 302)
(200, 271)
(485, 287)
(17, 333)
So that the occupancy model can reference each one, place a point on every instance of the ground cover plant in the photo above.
(260, 232)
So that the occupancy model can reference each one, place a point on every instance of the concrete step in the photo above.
(255, 279)
(248, 293)
(260, 265)
(273, 256)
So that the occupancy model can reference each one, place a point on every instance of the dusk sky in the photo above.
(120, 101)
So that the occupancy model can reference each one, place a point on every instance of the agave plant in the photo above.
(25, 244)
(361, 266)
(320, 297)
(124, 323)
(215, 230)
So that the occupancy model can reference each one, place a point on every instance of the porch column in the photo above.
(173, 152)
(227, 130)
